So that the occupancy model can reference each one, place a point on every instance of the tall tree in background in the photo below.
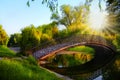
(36, 37)
(14, 40)
(30, 38)
(53, 4)
(3, 36)
(51, 29)
(73, 18)
(49, 32)
(113, 8)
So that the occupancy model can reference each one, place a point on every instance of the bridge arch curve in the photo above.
(73, 41)
(101, 45)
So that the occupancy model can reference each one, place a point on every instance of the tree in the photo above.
(14, 40)
(3, 36)
(113, 8)
(53, 4)
(73, 18)
(30, 38)
(51, 29)
(49, 33)
(46, 40)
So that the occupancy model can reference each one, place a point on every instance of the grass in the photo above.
(17, 68)
(11, 69)
(6, 52)
(84, 49)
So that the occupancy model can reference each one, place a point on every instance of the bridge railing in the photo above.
(62, 42)
(75, 38)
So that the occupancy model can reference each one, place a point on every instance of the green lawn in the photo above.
(17, 68)
(84, 49)
(6, 52)
(11, 69)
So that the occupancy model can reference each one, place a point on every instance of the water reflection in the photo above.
(68, 59)
(99, 78)
(113, 72)
(109, 71)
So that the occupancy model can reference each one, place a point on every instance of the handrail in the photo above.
(75, 38)
(39, 52)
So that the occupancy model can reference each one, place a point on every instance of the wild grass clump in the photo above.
(11, 69)
(31, 60)
(6, 52)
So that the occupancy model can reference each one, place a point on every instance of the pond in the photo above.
(112, 71)
(73, 56)
(86, 62)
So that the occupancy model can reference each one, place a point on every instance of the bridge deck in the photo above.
(72, 41)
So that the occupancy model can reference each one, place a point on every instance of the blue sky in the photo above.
(15, 14)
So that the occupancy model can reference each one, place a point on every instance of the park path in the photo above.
(59, 75)
(0, 58)
(15, 49)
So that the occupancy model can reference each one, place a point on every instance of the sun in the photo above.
(97, 21)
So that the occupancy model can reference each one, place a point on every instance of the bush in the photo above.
(31, 60)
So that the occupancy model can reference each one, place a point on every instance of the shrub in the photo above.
(31, 60)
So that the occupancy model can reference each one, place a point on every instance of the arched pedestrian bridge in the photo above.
(104, 53)
(40, 53)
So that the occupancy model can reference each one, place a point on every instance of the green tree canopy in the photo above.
(15, 40)
(51, 29)
(114, 13)
(30, 37)
(73, 18)
(3, 36)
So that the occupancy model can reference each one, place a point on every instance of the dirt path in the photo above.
(0, 58)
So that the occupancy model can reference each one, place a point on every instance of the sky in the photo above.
(15, 14)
